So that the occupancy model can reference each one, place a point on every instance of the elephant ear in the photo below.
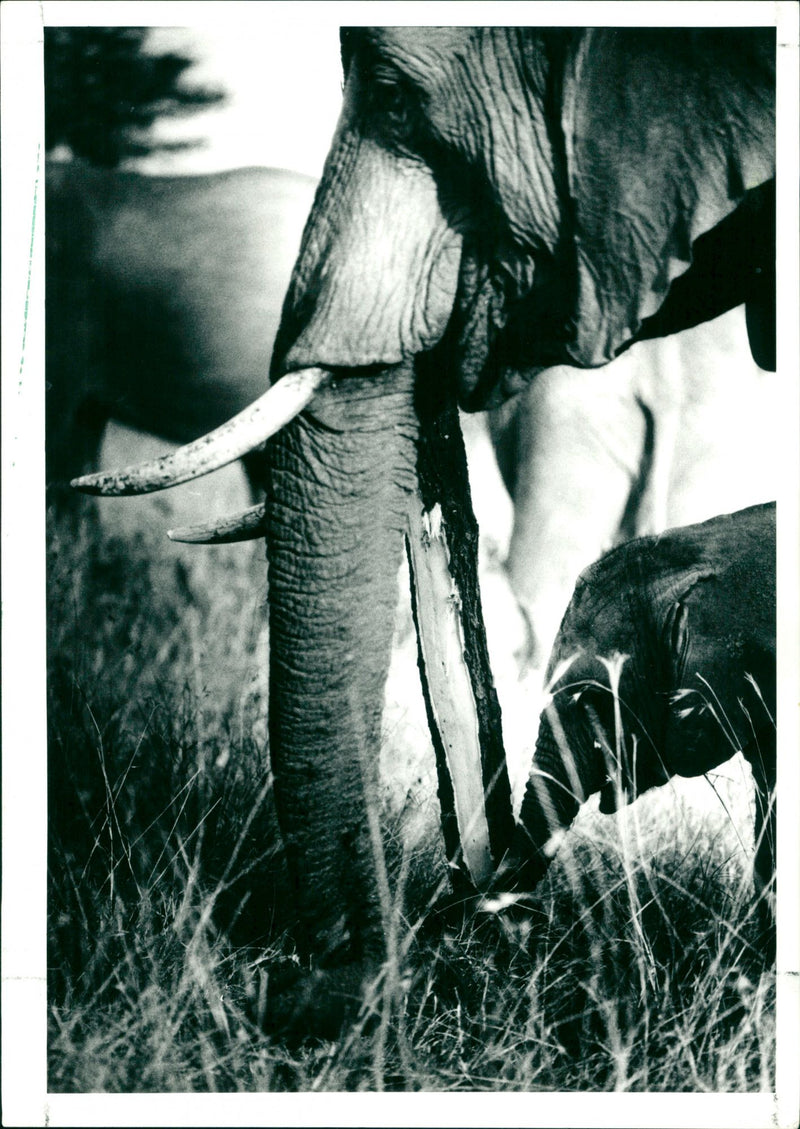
(675, 641)
(665, 134)
(662, 645)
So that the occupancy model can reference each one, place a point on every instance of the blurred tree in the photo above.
(103, 92)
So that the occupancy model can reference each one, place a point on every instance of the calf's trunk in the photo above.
(566, 771)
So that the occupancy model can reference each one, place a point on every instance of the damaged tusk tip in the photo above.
(98, 484)
(85, 484)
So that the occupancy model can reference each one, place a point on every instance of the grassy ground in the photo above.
(170, 918)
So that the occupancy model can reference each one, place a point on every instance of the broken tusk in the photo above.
(441, 643)
(245, 526)
(246, 431)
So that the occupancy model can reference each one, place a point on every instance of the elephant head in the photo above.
(496, 200)
(664, 665)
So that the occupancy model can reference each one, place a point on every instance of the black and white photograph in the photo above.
(401, 511)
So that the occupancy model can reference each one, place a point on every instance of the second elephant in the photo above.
(664, 665)
(164, 295)
(670, 433)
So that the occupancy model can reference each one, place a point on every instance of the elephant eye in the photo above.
(391, 108)
(390, 98)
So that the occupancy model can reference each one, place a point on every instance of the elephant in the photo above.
(673, 431)
(496, 201)
(162, 308)
(664, 665)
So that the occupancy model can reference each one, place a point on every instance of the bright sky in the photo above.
(284, 85)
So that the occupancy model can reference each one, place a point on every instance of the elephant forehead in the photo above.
(417, 52)
(722, 569)
(479, 92)
(422, 53)
(620, 601)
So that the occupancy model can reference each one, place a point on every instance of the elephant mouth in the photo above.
(509, 307)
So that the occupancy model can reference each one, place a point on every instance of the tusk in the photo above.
(244, 526)
(246, 431)
(441, 642)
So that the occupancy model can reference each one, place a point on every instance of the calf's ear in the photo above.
(675, 641)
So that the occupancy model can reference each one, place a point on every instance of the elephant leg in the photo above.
(580, 443)
(339, 484)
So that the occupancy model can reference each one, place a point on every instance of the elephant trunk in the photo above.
(339, 483)
(566, 771)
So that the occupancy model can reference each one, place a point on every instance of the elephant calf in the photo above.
(664, 664)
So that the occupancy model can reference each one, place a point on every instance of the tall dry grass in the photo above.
(636, 967)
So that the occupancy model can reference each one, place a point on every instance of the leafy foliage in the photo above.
(103, 92)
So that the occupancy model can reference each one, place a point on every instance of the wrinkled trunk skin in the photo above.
(566, 771)
(339, 486)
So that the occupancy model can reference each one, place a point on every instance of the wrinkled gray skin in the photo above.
(163, 309)
(163, 300)
(513, 199)
(672, 432)
(518, 198)
(693, 612)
